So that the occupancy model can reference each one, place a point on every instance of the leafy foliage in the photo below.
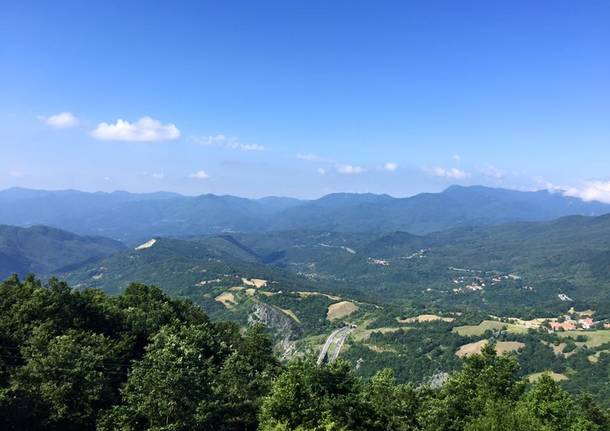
(81, 360)
(75, 360)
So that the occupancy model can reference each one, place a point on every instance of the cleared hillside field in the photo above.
(594, 338)
(340, 310)
(555, 376)
(501, 347)
(486, 325)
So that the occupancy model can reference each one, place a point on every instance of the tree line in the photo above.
(84, 360)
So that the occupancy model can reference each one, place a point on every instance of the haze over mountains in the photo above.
(567, 255)
(135, 217)
(465, 258)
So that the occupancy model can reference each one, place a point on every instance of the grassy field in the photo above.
(227, 299)
(425, 318)
(494, 325)
(471, 348)
(501, 347)
(340, 310)
(364, 334)
(555, 376)
(594, 338)
(594, 358)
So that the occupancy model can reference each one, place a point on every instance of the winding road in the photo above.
(334, 343)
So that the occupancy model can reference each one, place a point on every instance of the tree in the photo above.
(68, 377)
(311, 397)
(243, 379)
(395, 406)
(503, 416)
(485, 378)
(554, 407)
(170, 388)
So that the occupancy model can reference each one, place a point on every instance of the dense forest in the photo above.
(83, 360)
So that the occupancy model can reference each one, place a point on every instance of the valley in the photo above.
(417, 303)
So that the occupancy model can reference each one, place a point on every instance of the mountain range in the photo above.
(132, 218)
(464, 261)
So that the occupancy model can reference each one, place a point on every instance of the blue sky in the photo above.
(304, 98)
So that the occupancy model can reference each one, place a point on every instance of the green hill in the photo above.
(46, 250)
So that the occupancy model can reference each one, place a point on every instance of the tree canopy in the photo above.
(83, 360)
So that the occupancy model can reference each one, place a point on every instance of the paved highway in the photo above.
(337, 339)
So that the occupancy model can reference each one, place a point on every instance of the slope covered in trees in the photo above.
(45, 250)
(81, 360)
(567, 256)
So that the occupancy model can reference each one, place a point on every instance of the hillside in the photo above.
(417, 304)
(78, 360)
(517, 268)
(45, 250)
(136, 217)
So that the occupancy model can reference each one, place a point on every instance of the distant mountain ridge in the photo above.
(134, 217)
(45, 250)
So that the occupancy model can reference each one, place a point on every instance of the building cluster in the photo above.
(569, 324)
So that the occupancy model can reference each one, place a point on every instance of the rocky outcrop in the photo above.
(285, 329)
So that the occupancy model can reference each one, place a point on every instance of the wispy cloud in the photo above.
(452, 173)
(591, 191)
(493, 172)
(230, 142)
(146, 129)
(456, 157)
(311, 157)
(341, 168)
(349, 169)
(390, 166)
(199, 175)
(158, 176)
(63, 120)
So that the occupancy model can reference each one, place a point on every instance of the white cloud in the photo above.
(453, 173)
(321, 171)
(456, 157)
(158, 176)
(63, 120)
(390, 166)
(493, 172)
(591, 191)
(350, 169)
(541, 183)
(15, 174)
(146, 129)
(199, 175)
(230, 142)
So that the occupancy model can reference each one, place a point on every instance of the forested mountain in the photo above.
(568, 256)
(428, 212)
(411, 302)
(135, 217)
(296, 282)
(46, 250)
(82, 360)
